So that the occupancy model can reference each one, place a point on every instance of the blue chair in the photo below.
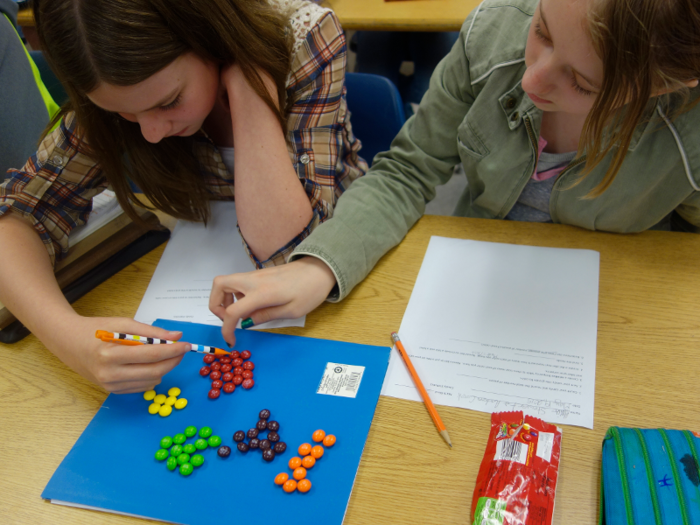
(376, 110)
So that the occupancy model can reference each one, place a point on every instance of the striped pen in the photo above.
(135, 340)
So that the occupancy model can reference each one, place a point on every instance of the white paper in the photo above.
(104, 209)
(181, 284)
(497, 327)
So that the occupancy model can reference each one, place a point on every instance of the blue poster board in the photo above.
(112, 466)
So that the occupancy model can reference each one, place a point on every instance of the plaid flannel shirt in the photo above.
(54, 189)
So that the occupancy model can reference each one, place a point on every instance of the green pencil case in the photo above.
(650, 476)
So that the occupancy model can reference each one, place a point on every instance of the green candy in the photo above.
(166, 442)
(205, 432)
(172, 463)
(214, 441)
(186, 469)
(190, 431)
(176, 450)
(201, 444)
(189, 448)
(182, 459)
(161, 454)
(179, 439)
(197, 460)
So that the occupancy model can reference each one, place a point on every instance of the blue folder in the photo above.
(112, 466)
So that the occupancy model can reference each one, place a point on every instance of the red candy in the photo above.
(247, 383)
(248, 365)
(245, 354)
(237, 380)
(237, 362)
(209, 359)
(238, 371)
(204, 371)
(247, 374)
(226, 360)
(216, 366)
(215, 375)
(234, 355)
(229, 387)
(228, 376)
(214, 393)
(226, 368)
(217, 384)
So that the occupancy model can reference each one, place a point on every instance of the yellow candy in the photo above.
(526, 427)
(174, 391)
(165, 410)
(181, 403)
(171, 400)
(148, 395)
(160, 399)
(153, 408)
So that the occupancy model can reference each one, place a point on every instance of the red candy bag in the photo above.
(518, 475)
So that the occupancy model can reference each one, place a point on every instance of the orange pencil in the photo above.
(135, 340)
(423, 392)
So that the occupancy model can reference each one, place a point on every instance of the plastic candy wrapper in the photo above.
(518, 475)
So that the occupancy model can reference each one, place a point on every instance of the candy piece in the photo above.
(174, 391)
(273, 425)
(172, 463)
(304, 449)
(329, 440)
(165, 410)
(214, 393)
(217, 384)
(224, 451)
(268, 455)
(160, 399)
(265, 444)
(299, 473)
(243, 447)
(197, 460)
(247, 374)
(214, 441)
(153, 408)
(215, 374)
(179, 439)
(170, 400)
(201, 444)
(280, 447)
(237, 362)
(264, 414)
(248, 383)
(235, 354)
(175, 450)
(273, 437)
(254, 443)
(526, 427)
(180, 403)
(308, 461)
(229, 388)
(216, 366)
(294, 463)
(238, 371)
(166, 442)
(289, 486)
(204, 371)
(281, 478)
(318, 436)
(162, 454)
(253, 433)
(190, 431)
(245, 354)
(209, 359)
(148, 395)
(205, 432)
(237, 380)
(261, 425)
(226, 368)
(238, 436)
(227, 377)
(189, 448)
(225, 360)
(186, 469)
(248, 365)
(317, 451)
(183, 458)
(304, 485)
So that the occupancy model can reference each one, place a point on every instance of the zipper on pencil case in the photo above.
(650, 477)
(676, 477)
(620, 455)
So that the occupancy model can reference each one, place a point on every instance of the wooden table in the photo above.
(647, 365)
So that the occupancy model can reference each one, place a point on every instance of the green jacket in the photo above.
(476, 112)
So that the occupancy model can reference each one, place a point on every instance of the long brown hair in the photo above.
(124, 42)
(647, 47)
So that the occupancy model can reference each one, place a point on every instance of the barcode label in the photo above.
(341, 380)
(511, 450)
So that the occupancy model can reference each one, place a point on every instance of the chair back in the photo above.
(376, 112)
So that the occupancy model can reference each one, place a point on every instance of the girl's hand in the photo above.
(282, 292)
(117, 368)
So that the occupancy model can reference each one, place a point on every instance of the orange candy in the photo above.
(281, 478)
(290, 485)
(304, 449)
(304, 485)
(299, 473)
(295, 462)
(317, 451)
(318, 436)
(308, 462)
(329, 440)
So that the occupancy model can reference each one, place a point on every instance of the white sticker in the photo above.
(341, 380)
(511, 450)
(545, 442)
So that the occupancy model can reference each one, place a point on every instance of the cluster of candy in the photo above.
(185, 455)
(228, 372)
(300, 465)
(163, 404)
(270, 445)
(525, 432)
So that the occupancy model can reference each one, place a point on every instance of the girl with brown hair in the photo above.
(160, 93)
(578, 112)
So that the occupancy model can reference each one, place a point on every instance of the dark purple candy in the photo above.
(224, 451)
(273, 425)
(280, 447)
(252, 433)
(268, 455)
(264, 413)
(265, 444)
(261, 425)
(243, 447)
(254, 443)
(273, 436)
(239, 436)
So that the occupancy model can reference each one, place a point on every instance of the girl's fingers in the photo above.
(140, 373)
(144, 354)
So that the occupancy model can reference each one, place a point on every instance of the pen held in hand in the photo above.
(423, 392)
(137, 340)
